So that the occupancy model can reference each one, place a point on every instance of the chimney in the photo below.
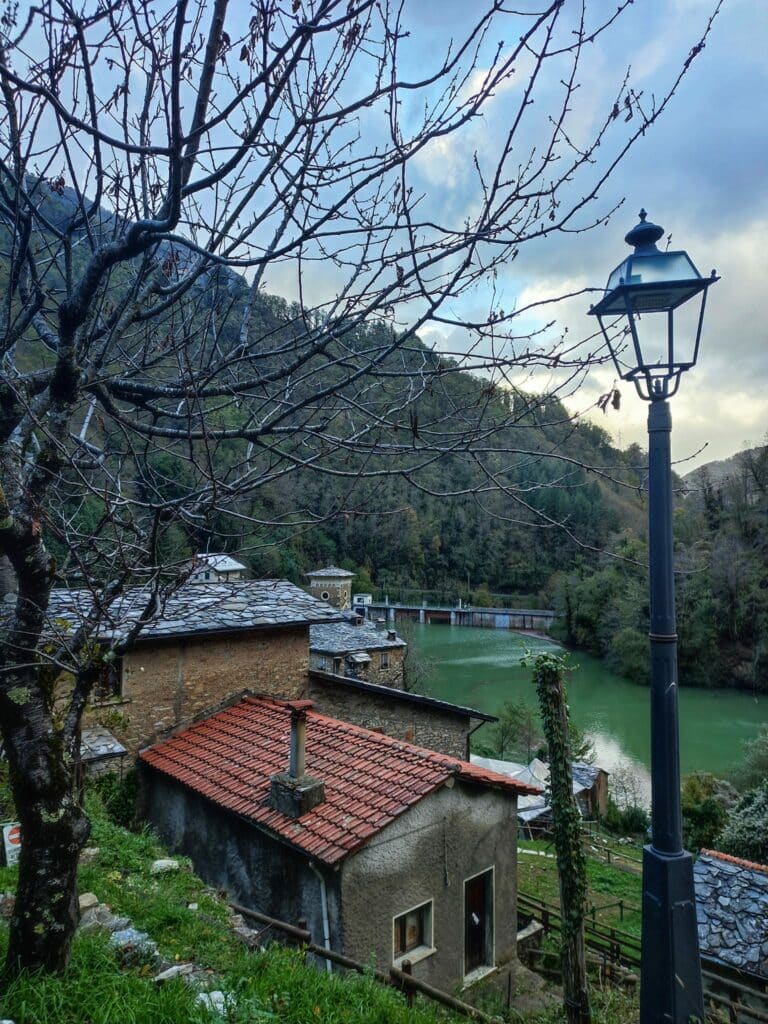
(358, 620)
(380, 623)
(391, 634)
(293, 793)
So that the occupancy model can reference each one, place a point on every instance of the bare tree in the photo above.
(149, 154)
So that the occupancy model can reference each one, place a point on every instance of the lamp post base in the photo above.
(671, 991)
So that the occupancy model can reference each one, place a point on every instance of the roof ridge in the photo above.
(739, 861)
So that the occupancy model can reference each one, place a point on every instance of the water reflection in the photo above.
(482, 668)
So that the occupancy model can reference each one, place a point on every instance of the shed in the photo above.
(389, 851)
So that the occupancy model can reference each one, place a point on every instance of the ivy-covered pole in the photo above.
(549, 677)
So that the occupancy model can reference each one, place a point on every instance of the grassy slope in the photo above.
(537, 877)
(274, 985)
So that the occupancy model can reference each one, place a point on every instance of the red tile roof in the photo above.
(749, 864)
(369, 778)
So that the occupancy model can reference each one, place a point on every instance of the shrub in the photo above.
(118, 796)
(630, 820)
(746, 831)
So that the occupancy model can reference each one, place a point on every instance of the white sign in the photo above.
(12, 841)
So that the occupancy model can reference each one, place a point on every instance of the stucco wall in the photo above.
(230, 854)
(168, 683)
(428, 853)
(426, 727)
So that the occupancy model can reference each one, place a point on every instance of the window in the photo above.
(322, 663)
(412, 932)
(325, 595)
(337, 666)
(384, 660)
(109, 685)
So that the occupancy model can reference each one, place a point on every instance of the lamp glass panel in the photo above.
(652, 334)
(663, 266)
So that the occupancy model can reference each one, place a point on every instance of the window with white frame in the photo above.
(412, 932)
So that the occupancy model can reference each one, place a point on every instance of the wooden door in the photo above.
(477, 908)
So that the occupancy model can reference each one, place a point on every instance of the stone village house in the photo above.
(214, 641)
(388, 850)
(357, 649)
(211, 640)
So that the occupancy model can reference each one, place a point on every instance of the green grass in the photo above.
(274, 986)
(537, 877)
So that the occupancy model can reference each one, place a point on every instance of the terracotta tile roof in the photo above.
(751, 865)
(370, 779)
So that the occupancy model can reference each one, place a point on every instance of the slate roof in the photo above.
(391, 693)
(341, 637)
(219, 563)
(195, 608)
(732, 910)
(370, 779)
(331, 572)
(536, 774)
(98, 743)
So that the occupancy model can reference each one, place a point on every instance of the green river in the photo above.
(481, 668)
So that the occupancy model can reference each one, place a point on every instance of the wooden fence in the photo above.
(395, 977)
(615, 953)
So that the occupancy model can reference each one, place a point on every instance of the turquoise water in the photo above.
(481, 668)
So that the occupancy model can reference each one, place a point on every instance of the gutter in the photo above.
(324, 909)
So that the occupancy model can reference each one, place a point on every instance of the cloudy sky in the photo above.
(701, 172)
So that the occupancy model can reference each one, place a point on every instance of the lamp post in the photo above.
(638, 311)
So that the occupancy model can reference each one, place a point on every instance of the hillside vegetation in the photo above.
(189, 922)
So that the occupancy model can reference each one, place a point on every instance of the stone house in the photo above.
(357, 649)
(389, 851)
(333, 585)
(212, 568)
(413, 717)
(732, 912)
(209, 642)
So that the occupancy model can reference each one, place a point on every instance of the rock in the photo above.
(87, 900)
(191, 906)
(215, 1001)
(176, 971)
(236, 921)
(7, 903)
(89, 854)
(101, 918)
(248, 936)
(134, 948)
(160, 867)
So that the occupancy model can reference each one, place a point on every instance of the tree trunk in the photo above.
(53, 831)
(571, 867)
(53, 825)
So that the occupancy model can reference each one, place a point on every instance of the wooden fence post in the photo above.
(407, 968)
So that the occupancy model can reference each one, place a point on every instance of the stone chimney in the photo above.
(293, 793)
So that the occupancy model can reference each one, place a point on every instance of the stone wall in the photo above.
(426, 726)
(167, 683)
(374, 672)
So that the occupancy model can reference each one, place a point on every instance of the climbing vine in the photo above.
(549, 677)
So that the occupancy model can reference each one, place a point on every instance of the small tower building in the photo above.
(333, 585)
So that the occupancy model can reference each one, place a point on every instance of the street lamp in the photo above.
(637, 318)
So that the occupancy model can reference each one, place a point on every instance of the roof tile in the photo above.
(369, 778)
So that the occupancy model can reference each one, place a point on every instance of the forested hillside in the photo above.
(722, 584)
